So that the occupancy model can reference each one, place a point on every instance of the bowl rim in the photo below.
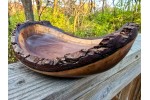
(76, 59)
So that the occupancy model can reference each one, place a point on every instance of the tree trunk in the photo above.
(103, 6)
(75, 21)
(55, 7)
(27, 4)
(91, 5)
(38, 5)
(114, 13)
(94, 6)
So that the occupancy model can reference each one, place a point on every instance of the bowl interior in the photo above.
(48, 42)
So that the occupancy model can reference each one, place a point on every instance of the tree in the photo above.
(27, 4)
(78, 10)
(38, 5)
(55, 7)
(103, 5)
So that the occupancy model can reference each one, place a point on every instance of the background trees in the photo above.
(27, 4)
(84, 18)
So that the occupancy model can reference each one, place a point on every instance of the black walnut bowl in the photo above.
(49, 50)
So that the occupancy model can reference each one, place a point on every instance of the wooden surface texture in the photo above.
(25, 84)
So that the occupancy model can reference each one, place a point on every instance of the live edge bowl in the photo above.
(49, 50)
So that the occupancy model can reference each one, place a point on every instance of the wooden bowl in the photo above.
(49, 50)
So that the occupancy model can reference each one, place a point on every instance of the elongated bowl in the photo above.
(49, 50)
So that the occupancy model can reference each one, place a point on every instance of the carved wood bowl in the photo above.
(49, 50)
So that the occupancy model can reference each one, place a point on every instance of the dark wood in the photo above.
(49, 50)
(48, 46)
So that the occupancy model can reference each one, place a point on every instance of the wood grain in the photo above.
(28, 85)
(49, 50)
(131, 92)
